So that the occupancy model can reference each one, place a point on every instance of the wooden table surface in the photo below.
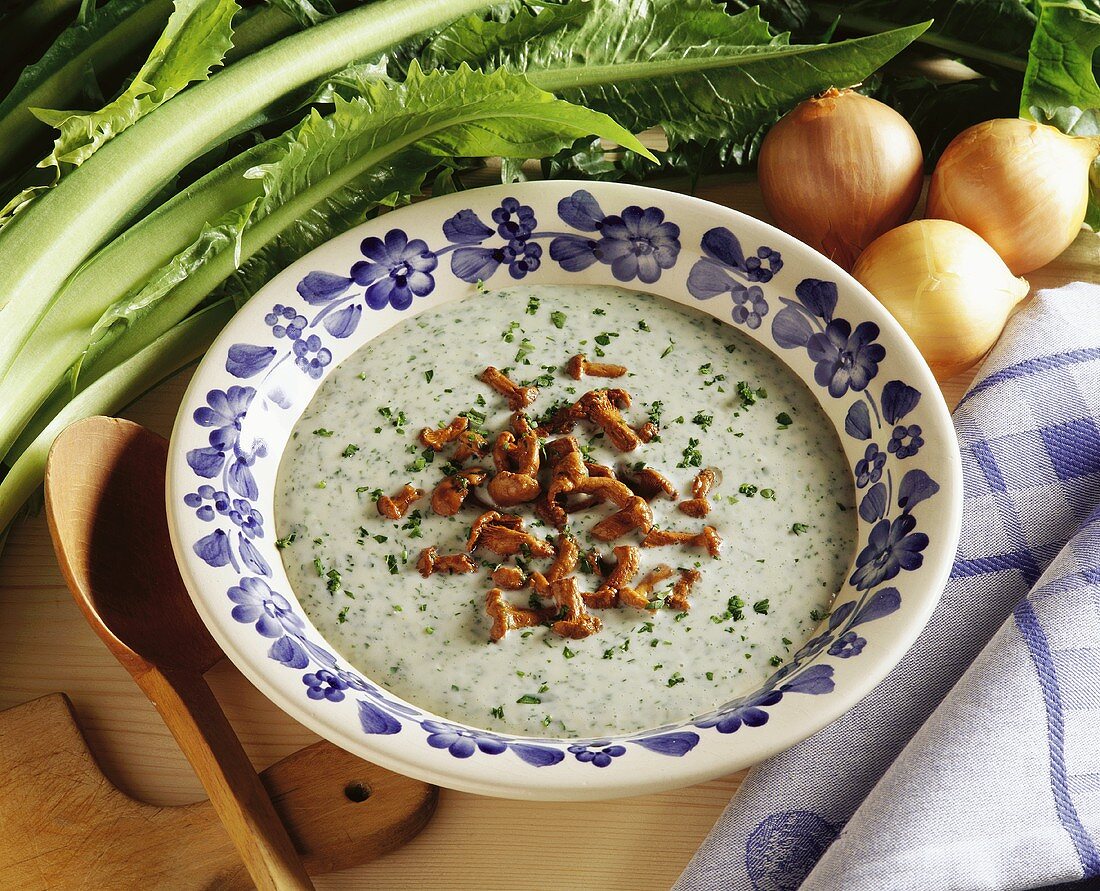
(636, 843)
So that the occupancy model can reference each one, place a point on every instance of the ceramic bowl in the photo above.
(868, 377)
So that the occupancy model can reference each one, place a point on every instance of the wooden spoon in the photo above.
(105, 506)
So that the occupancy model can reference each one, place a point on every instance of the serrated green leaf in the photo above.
(193, 43)
(375, 148)
(1060, 86)
(110, 36)
(305, 12)
(782, 15)
(475, 39)
(685, 65)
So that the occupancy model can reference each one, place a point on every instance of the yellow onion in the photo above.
(1021, 186)
(838, 170)
(946, 287)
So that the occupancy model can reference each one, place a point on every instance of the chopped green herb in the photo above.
(322, 484)
(655, 409)
(349, 450)
(816, 615)
(528, 699)
(567, 653)
(747, 489)
(391, 562)
(429, 374)
(668, 349)
(342, 616)
(775, 661)
(558, 318)
(748, 395)
(599, 311)
(318, 566)
(333, 584)
(604, 338)
(543, 380)
(761, 606)
(286, 541)
(705, 369)
(497, 712)
(710, 675)
(532, 305)
(525, 349)
(799, 528)
(676, 678)
(734, 611)
(692, 457)
(643, 325)
(321, 431)
(412, 523)
(428, 629)
(768, 494)
(703, 420)
(784, 420)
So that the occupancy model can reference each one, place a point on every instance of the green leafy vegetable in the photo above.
(992, 31)
(109, 36)
(684, 65)
(44, 244)
(305, 12)
(320, 181)
(196, 38)
(121, 385)
(1060, 85)
(474, 40)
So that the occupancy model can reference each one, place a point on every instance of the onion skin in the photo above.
(946, 287)
(1021, 186)
(839, 170)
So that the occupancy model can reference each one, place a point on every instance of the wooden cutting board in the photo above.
(64, 825)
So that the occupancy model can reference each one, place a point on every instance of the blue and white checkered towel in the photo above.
(976, 763)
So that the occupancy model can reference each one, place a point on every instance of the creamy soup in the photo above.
(783, 506)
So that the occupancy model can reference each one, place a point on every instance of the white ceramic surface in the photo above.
(267, 364)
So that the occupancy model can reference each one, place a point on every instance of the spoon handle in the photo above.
(199, 725)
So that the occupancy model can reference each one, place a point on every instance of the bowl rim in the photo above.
(518, 778)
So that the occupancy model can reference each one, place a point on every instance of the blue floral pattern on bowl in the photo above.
(846, 360)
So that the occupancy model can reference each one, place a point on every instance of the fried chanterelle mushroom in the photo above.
(395, 507)
(546, 469)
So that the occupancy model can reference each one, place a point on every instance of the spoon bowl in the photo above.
(105, 481)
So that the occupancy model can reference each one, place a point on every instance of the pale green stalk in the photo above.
(123, 384)
(44, 245)
(59, 85)
(60, 335)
